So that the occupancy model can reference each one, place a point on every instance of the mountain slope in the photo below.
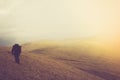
(55, 63)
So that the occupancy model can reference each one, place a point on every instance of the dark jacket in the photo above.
(16, 49)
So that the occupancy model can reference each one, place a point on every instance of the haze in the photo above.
(28, 20)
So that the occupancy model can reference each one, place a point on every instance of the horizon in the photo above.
(26, 21)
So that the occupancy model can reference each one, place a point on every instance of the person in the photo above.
(16, 51)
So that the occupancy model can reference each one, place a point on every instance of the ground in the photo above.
(57, 62)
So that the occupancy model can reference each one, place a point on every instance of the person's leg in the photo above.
(17, 59)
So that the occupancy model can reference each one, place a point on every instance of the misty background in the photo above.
(29, 20)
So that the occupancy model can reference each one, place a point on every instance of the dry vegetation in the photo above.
(59, 61)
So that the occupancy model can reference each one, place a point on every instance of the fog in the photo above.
(29, 20)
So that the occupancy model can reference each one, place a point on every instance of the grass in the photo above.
(52, 61)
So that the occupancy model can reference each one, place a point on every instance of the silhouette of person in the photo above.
(16, 51)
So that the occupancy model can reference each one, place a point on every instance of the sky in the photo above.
(29, 20)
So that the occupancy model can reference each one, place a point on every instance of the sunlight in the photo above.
(35, 20)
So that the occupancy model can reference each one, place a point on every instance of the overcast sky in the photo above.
(26, 20)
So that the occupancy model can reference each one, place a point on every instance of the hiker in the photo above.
(16, 50)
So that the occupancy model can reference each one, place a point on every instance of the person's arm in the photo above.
(20, 49)
(12, 51)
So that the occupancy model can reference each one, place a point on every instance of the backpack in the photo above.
(17, 49)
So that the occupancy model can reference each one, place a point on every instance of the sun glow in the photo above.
(34, 19)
